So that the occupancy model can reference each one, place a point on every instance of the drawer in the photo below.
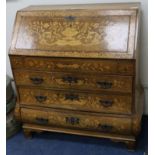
(74, 81)
(77, 120)
(83, 101)
(74, 65)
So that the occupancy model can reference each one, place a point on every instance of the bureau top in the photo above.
(83, 6)
(84, 31)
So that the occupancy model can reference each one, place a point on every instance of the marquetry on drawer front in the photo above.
(83, 101)
(74, 81)
(75, 65)
(77, 121)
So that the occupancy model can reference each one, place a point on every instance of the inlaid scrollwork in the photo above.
(57, 32)
(82, 65)
(82, 101)
(119, 125)
(91, 34)
(84, 82)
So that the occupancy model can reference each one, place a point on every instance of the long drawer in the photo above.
(74, 81)
(77, 120)
(83, 101)
(106, 66)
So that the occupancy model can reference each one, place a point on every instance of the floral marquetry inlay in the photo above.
(117, 125)
(72, 81)
(74, 33)
(75, 65)
(82, 101)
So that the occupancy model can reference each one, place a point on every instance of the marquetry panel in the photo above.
(75, 65)
(73, 33)
(69, 80)
(16, 62)
(120, 104)
(74, 120)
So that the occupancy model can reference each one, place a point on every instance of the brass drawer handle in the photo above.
(72, 120)
(71, 97)
(70, 79)
(41, 120)
(41, 98)
(106, 103)
(36, 80)
(105, 127)
(105, 85)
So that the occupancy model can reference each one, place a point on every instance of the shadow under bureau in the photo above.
(76, 70)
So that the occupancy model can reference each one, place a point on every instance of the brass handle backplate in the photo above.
(70, 79)
(105, 84)
(106, 103)
(41, 98)
(72, 120)
(105, 127)
(36, 80)
(40, 120)
(71, 97)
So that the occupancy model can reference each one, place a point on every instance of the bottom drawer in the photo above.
(76, 120)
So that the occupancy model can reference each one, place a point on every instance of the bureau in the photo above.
(76, 69)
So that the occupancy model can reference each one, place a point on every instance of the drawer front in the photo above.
(77, 121)
(120, 104)
(75, 65)
(77, 81)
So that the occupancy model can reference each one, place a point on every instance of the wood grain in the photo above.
(104, 66)
(74, 81)
(59, 119)
(84, 101)
(76, 69)
(96, 33)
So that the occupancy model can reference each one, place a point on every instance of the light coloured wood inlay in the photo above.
(71, 33)
(81, 121)
(120, 104)
(74, 65)
(74, 81)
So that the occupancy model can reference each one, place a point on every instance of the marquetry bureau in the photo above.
(76, 70)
